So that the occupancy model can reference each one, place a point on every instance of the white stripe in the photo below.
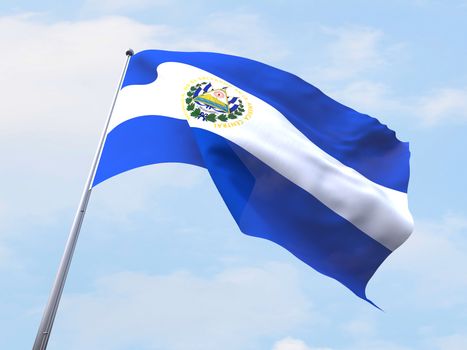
(380, 212)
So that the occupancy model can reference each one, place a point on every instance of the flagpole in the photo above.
(45, 327)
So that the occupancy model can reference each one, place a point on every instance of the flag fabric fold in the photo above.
(293, 166)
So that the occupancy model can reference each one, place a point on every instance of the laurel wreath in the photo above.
(212, 117)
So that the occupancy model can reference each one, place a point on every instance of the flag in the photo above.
(292, 165)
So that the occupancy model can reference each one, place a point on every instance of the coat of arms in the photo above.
(217, 103)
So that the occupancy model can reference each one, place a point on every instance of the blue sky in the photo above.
(160, 263)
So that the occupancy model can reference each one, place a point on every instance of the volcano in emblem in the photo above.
(217, 99)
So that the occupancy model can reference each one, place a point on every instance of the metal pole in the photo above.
(45, 327)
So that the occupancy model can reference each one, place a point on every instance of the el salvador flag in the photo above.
(293, 166)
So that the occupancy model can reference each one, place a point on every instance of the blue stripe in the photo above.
(147, 140)
(263, 203)
(355, 139)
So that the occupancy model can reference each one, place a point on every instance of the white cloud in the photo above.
(367, 97)
(294, 344)
(356, 53)
(444, 105)
(230, 310)
(58, 73)
(61, 78)
(354, 50)
(244, 34)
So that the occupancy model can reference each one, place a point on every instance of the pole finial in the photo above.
(129, 52)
